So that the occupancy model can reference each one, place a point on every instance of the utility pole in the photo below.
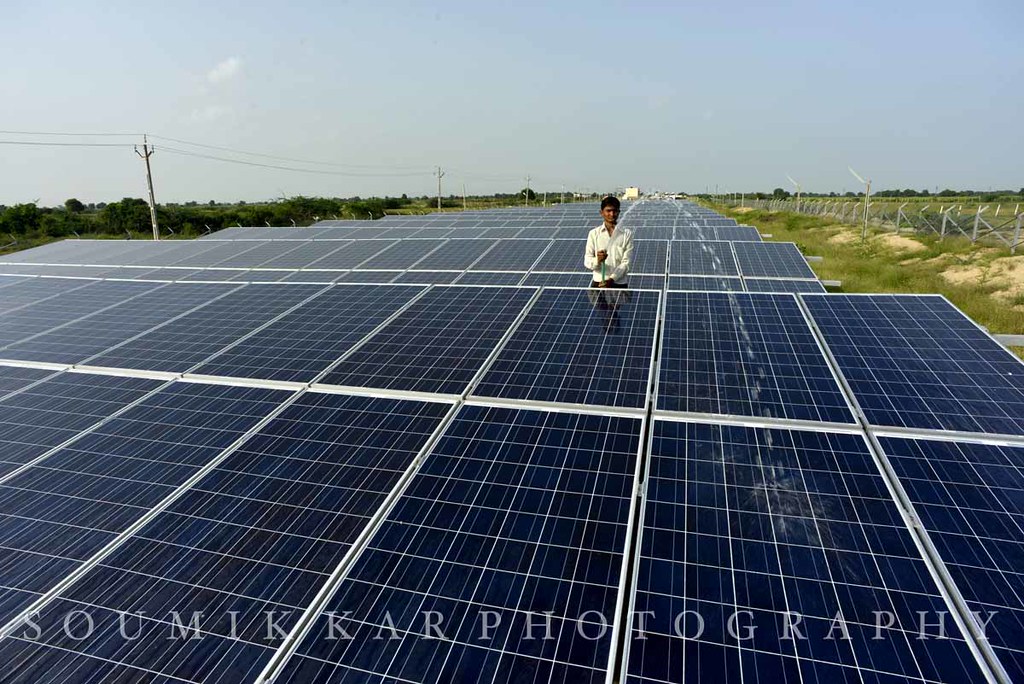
(545, 198)
(147, 152)
(463, 197)
(440, 175)
(527, 191)
(561, 195)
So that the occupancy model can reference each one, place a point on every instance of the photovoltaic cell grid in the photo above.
(782, 285)
(46, 415)
(306, 341)
(489, 278)
(260, 534)
(968, 498)
(57, 513)
(761, 523)
(590, 347)
(14, 378)
(438, 344)
(702, 258)
(916, 361)
(76, 341)
(771, 260)
(649, 257)
(514, 511)
(745, 355)
(705, 283)
(184, 342)
(511, 255)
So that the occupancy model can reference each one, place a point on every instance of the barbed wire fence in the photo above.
(980, 225)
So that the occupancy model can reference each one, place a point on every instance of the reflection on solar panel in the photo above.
(403, 254)
(750, 524)
(306, 341)
(514, 511)
(350, 255)
(745, 355)
(579, 347)
(438, 344)
(967, 496)
(782, 285)
(261, 532)
(36, 290)
(77, 341)
(702, 258)
(771, 260)
(709, 283)
(649, 256)
(916, 361)
(184, 342)
(50, 413)
(57, 513)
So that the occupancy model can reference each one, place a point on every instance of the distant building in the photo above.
(631, 194)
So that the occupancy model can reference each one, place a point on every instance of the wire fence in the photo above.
(981, 224)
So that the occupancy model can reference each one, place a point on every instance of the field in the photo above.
(985, 282)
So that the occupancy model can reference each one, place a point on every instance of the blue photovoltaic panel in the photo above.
(558, 279)
(428, 277)
(75, 342)
(58, 513)
(351, 255)
(511, 255)
(781, 285)
(305, 254)
(745, 355)
(771, 260)
(514, 511)
(14, 378)
(455, 255)
(590, 346)
(649, 256)
(259, 534)
(403, 254)
(737, 233)
(367, 277)
(306, 341)
(193, 338)
(489, 278)
(916, 361)
(48, 414)
(705, 283)
(436, 345)
(42, 316)
(765, 523)
(968, 498)
(563, 256)
(705, 258)
(646, 282)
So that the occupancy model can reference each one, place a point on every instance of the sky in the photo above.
(676, 96)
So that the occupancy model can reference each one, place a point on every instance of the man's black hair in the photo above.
(611, 201)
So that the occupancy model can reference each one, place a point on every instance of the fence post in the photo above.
(977, 219)
(1016, 233)
(945, 217)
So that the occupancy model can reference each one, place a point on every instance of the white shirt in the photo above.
(620, 250)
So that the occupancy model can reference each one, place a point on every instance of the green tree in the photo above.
(528, 194)
(74, 206)
(779, 193)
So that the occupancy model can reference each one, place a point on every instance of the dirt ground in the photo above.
(899, 243)
(1005, 273)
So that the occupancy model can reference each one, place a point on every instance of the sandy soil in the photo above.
(1005, 273)
(900, 243)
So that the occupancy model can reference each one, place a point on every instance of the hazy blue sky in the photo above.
(674, 95)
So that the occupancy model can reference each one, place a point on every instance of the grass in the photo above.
(876, 266)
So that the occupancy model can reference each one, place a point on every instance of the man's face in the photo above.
(611, 215)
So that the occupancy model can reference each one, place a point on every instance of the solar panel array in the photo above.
(423, 449)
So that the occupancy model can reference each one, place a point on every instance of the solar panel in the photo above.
(705, 283)
(438, 344)
(514, 511)
(305, 254)
(36, 290)
(367, 276)
(706, 258)
(260, 533)
(589, 346)
(771, 260)
(41, 316)
(967, 496)
(489, 278)
(184, 342)
(646, 282)
(60, 511)
(782, 285)
(745, 355)
(49, 413)
(916, 361)
(454, 255)
(428, 277)
(301, 344)
(510, 255)
(649, 256)
(562, 255)
(760, 525)
(403, 254)
(558, 279)
(351, 254)
(14, 378)
(74, 342)
(737, 233)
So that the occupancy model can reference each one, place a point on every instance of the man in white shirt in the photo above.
(609, 249)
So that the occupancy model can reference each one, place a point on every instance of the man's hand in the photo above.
(601, 256)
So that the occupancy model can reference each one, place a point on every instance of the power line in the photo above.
(189, 153)
(84, 135)
(36, 143)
